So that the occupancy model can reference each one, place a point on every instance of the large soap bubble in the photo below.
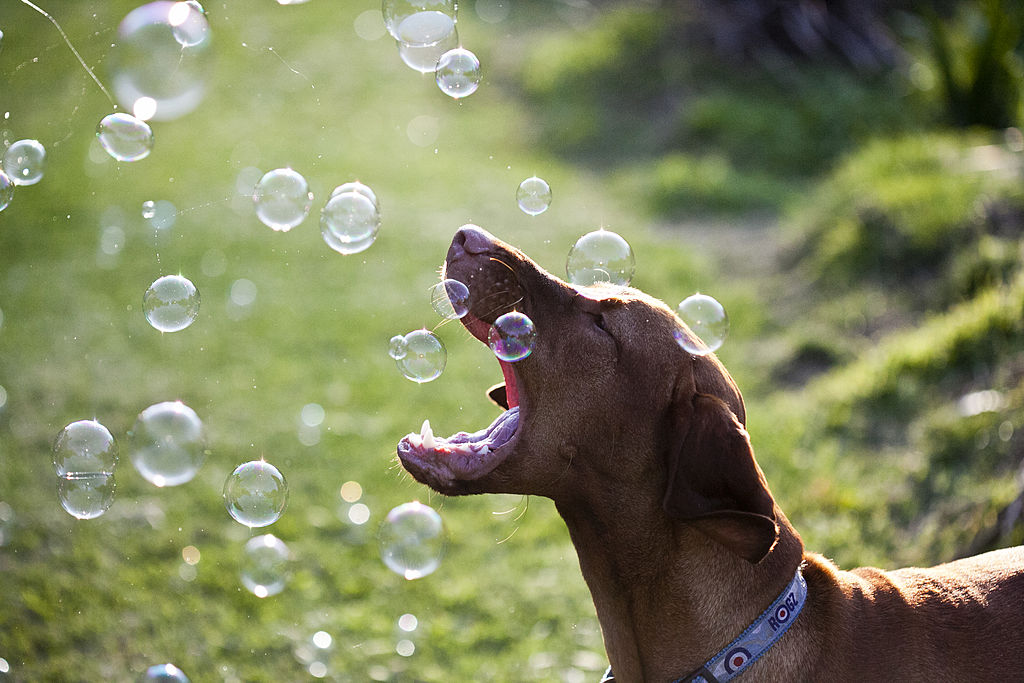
(533, 196)
(425, 356)
(349, 222)
(161, 56)
(6, 190)
(458, 73)
(171, 303)
(86, 495)
(512, 336)
(450, 298)
(601, 256)
(84, 447)
(165, 673)
(168, 443)
(256, 494)
(265, 565)
(25, 161)
(282, 199)
(705, 318)
(412, 540)
(125, 137)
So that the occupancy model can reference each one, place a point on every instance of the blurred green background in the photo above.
(849, 185)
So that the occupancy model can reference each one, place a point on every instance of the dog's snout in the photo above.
(471, 239)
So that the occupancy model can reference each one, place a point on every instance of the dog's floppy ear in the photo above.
(714, 482)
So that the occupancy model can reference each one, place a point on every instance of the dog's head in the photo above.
(608, 408)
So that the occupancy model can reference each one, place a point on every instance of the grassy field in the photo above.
(825, 351)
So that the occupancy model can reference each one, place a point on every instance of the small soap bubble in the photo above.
(265, 565)
(171, 303)
(512, 337)
(168, 443)
(148, 209)
(356, 186)
(161, 214)
(255, 494)
(25, 161)
(349, 222)
(601, 256)
(533, 196)
(84, 447)
(397, 348)
(450, 298)
(707, 323)
(412, 540)
(458, 73)
(425, 357)
(162, 55)
(6, 190)
(408, 622)
(282, 199)
(125, 137)
(165, 673)
(86, 495)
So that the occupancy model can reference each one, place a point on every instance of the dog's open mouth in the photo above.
(442, 462)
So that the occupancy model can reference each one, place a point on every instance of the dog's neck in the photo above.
(668, 598)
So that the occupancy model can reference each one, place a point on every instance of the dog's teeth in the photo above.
(427, 434)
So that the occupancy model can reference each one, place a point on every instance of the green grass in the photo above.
(870, 458)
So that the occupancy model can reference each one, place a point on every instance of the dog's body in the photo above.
(642, 448)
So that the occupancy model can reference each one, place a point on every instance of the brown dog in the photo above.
(641, 445)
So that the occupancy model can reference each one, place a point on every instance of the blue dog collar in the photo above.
(733, 659)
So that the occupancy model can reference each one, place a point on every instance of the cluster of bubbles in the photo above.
(603, 257)
(428, 42)
(349, 221)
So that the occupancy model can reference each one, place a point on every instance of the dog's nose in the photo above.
(472, 239)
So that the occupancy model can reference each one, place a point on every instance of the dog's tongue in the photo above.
(480, 329)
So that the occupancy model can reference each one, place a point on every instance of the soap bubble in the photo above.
(168, 443)
(6, 190)
(84, 447)
(148, 209)
(397, 348)
(349, 222)
(424, 33)
(356, 186)
(533, 196)
(425, 357)
(424, 58)
(161, 53)
(412, 540)
(512, 337)
(706, 319)
(25, 161)
(86, 495)
(125, 137)
(265, 562)
(171, 303)
(458, 73)
(282, 199)
(161, 214)
(165, 673)
(431, 19)
(601, 256)
(255, 494)
(450, 298)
